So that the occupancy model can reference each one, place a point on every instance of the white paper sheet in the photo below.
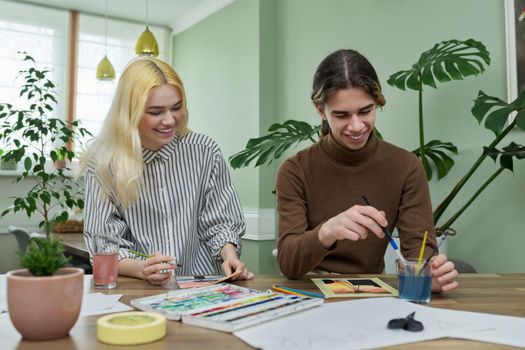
(508, 330)
(98, 304)
(512, 335)
(355, 324)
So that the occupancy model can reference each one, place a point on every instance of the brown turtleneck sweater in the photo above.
(326, 179)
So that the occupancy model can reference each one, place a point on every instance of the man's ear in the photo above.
(321, 112)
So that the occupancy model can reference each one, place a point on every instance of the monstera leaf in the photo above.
(496, 113)
(446, 61)
(436, 152)
(269, 147)
(499, 111)
(506, 154)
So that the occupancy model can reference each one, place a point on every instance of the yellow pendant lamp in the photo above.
(105, 70)
(147, 44)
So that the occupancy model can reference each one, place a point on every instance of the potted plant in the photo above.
(44, 298)
(445, 61)
(32, 133)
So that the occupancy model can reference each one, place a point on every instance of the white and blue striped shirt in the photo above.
(187, 208)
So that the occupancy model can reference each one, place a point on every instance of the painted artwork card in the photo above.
(185, 282)
(350, 287)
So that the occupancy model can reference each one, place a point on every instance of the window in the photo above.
(94, 97)
(42, 33)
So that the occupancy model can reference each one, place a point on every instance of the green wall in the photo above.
(218, 61)
(257, 255)
(226, 63)
(268, 113)
(260, 55)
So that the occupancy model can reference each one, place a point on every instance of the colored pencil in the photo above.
(288, 290)
(147, 256)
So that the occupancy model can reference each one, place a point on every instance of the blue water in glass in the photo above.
(414, 288)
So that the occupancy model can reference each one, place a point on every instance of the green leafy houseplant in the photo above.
(445, 61)
(28, 136)
(44, 257)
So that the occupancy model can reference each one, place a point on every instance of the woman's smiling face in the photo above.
(163, 112)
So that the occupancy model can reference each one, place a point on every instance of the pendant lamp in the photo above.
(105, 70)
(147, 44)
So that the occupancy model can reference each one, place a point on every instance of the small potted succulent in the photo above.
(45, 297)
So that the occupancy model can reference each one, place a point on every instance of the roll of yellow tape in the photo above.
(129, 328)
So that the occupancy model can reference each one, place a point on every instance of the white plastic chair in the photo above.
(22, 237)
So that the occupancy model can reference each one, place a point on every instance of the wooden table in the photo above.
(490, 293)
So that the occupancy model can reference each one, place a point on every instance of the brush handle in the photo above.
(434, 251)
(390, 239)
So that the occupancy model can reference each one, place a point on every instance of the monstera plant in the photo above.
(446, 61)
(269, 147)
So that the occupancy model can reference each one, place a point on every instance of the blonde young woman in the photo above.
(163, 189)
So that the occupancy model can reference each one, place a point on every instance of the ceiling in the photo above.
(175, 14)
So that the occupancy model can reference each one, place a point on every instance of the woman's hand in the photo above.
(353, 224)
(157, 270)
(443, 274)
(232, 264)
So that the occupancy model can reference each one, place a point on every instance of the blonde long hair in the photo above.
(116, 154)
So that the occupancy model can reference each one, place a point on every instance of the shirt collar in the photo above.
(162, 154)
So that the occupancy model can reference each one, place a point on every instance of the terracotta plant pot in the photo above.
(44, 308)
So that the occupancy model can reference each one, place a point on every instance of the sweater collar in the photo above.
(341, 153)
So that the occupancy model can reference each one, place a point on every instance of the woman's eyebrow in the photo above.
(161, 107)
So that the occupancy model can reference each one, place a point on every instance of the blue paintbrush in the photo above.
(391, 240)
